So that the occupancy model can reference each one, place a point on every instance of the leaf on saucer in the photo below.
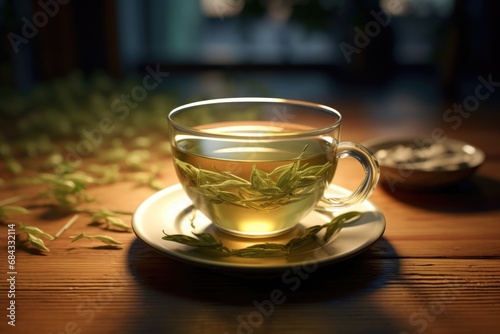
(201, 240)
(207, 244)
(334, 226)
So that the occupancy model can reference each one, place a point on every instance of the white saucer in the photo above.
(170, 211)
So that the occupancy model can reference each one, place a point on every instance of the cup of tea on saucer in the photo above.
(256, 166)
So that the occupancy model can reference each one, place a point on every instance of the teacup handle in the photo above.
(372, 173)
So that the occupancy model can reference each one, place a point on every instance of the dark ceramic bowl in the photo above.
(419, 163)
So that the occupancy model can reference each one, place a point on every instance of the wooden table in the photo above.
(435, 270)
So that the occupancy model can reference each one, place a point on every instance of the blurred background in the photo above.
(400, 59)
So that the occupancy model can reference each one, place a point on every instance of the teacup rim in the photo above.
(312, 105)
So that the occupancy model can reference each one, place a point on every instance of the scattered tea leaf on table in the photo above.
(102, 238)
(37, 242)
(5, 210)
(111, 219)
(35, 231)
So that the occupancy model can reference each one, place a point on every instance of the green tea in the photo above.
(254, 187)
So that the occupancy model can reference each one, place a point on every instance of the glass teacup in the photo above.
(256, 166)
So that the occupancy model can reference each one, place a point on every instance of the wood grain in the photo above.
(436, 270)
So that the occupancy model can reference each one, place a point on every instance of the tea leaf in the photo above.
(111, 219)
(201, 240)
(228, 196)
(190, 171)
(233, 177)
(263, 192)
(260, 179)
(257, 252)
(117, 222)
(106, 174)
(334, 226)
(35, 231)
(53, 160)
(286, 175)
(68, 189)
(228, 184)
(209, 245)
(280, 170)
(183, 239)
(315, 170)
(303, 151)
(271, 191)
(193, 218)
(102, 238)
(103, 214)
(304, 183)
(207, 176)
(14, 166)
(80, 179)
(207, 238)
(37, 242)
(10, 200)
(203, 191)
(267, 245)
(218, 200)
(260, 250)
(4, 210)
(306, 238)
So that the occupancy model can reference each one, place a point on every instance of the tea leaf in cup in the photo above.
(285, 176)
(228, 196)
(263, 192)
(260, 179)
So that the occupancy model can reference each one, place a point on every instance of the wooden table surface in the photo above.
(435, 270)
